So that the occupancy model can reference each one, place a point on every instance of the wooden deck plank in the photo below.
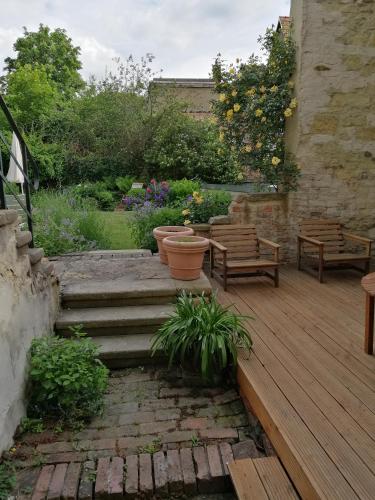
(309, 382)
(246, 480)
(274, 478)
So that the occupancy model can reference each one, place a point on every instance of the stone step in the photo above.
(8, 217)
(35, 255)
(122, 351)
(23, 239)
(114, 320)
(122, 293)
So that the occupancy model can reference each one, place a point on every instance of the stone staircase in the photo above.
(120, 302)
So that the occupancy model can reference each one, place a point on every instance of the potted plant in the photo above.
(203, 336)
(163, 231)
(185, 255)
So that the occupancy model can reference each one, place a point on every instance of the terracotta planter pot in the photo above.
(185, 256)
(163, 231)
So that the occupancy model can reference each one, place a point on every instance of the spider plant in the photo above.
(203, 334)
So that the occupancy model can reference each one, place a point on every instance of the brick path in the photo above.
(157, 436)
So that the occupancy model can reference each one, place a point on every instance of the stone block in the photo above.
(216, 468)
(57, 482)
(202, 469)
(174, 472)
(131, 478)
(146, 485)
(102, 478)
(86, 485)
(188, 472)
(116, 479)
(245, 449)
(70, 488)
(160, 474)
(43, 482)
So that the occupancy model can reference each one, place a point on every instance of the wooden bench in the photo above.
(322, 242)
(261, 479)
(234, 252)
(368, 284)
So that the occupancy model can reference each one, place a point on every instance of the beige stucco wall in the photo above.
(333, 131)
(28, 306)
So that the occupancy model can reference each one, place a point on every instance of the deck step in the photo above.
(114, 320)
(261, 479)
(119, 351)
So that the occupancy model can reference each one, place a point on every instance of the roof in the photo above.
(284, 24)
(184, 82)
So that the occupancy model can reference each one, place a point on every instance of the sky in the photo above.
(183, 35)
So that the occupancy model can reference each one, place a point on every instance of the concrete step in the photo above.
(114, 320)
(123, 351)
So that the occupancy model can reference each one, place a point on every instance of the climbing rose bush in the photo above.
(254, 101)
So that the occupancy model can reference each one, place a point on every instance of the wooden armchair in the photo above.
(322, 242)
(234, 252)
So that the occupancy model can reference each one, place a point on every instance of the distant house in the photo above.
(283, 26)
(197, 93)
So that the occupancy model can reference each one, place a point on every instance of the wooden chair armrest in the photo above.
(268, 243)
(354, 237)
(218, 246)
(313, 241)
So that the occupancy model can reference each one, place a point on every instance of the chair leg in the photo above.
(320, 271)
(299, 256)
(367, 267)
(276, 277)
(225, 278)
(369, 325)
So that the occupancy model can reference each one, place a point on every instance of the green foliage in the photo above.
(124, 184)
(180, 190)
(137, 192)
(204, 205)
(7, 479)
(63, 223)
(34, 425)
(202, 334)
(96, 191)
(68, 380)
(55, 52)
(254, 101)
(146, 219)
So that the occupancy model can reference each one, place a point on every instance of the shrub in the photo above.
(7, 479)
(180, 190)
(202, 334)
(147, 218)
(63, 223)
(124, 184)
(97, 191)
(67, 378)
(201, 206)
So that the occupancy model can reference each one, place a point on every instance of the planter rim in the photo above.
(164, 231)
(197, 242)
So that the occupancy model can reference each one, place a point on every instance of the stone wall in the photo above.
(28, 306)
(333, 131)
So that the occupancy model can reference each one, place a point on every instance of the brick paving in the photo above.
(159, 435)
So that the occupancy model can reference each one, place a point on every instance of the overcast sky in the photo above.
(183, 35)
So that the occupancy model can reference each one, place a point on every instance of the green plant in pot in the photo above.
(202, 335)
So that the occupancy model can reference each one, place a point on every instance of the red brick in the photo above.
(26, 481)
(86, 485)
(97, 444)
(169, 414)
(188, 472)
(102, 477)
(194, 423)
(160, 474)
(57, 482)
(202, 469)
(215, 468)
(59, 447)
(131, 445)
(245, 449)
(42, 485)
(226, 456)
(138, 417)
(218, 433)
(176, 437)
(116, 480)
(226, 397)
(146, 485)
(74, 456)
(131, 481)
(71, 483)
(175, 478)
(151, 427)
(171, 392)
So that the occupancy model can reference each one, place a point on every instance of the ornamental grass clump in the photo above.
(203, 335)
(67, 378)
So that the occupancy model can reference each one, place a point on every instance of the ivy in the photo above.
(254, 101)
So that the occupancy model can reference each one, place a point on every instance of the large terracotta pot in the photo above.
(185, 256)
(163, 231)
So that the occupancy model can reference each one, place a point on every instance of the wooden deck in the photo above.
(309, 381)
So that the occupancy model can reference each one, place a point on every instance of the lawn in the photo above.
(118, 229)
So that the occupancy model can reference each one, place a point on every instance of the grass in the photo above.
(118, 230)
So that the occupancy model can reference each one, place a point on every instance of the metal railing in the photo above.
(29, 168)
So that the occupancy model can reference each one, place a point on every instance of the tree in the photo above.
(55, 51)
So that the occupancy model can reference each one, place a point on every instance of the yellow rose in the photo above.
(230, 115)
(236, 107)
(186, 211)
(262, 89)
(195, 194)
(258, 145)
(199, 200)
(222, 97)
(187, 222)
(251, 91)
(221, 136)
(288, 112)
(293, 103)
(234, 93)
(275, 161)
(274, 88)
(258, 112)
(248, 148)
(264, 119)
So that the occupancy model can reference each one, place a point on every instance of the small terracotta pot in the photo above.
(185, 256)
(162, 232)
